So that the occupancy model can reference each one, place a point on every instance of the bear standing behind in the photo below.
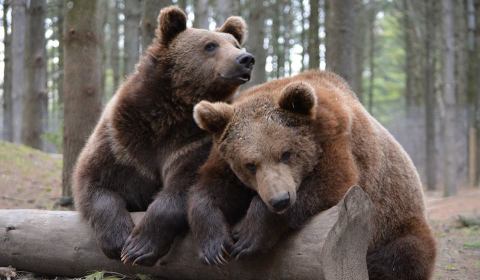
(287, 150)
(146, 148)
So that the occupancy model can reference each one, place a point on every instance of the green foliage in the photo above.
(103, 275)
(106, 275)
(472, 245)
(389, 80)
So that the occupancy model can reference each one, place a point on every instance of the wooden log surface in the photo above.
(332, 245)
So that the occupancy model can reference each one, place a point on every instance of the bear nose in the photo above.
(246, 59)
(281, 201)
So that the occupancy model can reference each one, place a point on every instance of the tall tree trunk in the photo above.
(82, 92)
(182, 4)
(476, 85)
(36, 67)
(255, 45)
(303, 33)
(341, 20)
(225, 9)
(313, 37)
(372, 15)
(472, 92)
(103, 13)
(200, 8)
(19, 23)
(360, 41)
(151, 9)
(60, 25)
(289, 34)
(450, 167)
(280, 50)
(7, 133)
(430, 143)
(115, 52)
(132, 34)
(409, 56)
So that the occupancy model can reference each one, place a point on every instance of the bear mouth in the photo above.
(241, 78)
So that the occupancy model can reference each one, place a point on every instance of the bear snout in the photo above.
(280, 202)
(246, 60)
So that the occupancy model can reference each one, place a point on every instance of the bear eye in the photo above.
(210, 47)
(251, 167)
(286, 156)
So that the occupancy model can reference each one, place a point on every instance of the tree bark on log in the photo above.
(333, 245)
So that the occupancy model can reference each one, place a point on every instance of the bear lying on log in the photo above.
(333, 245)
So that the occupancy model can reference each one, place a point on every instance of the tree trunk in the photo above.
(19, 23)
(409, 57)
(200, 8)
(115, 52)
(225, 9)
(7, 133)
(151, 9)
(182, 4)
(36, 68)
(313, 37)
(303, 33)
(103, 11)
(430, 143)
(449, 123)
(82, 102)
(473, 61)
(333, 245)
(372, 15)
(256, 21)
(477, 90)
(132, 35)
(60, 25)
(341, 20)
(280, 47)
(360, 41)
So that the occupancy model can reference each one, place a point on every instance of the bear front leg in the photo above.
(258, 231)
(152, 238)
(110, 220)
(209, 227)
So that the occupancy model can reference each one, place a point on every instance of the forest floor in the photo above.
(32, 179)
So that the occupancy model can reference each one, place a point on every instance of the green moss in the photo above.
(25, 161)
(472, 245)
(451, 267)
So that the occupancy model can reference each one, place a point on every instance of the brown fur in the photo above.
(146, 148)
(332, 144)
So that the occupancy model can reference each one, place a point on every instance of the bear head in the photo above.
(211, 61)
(266, 139)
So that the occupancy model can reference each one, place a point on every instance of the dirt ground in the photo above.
(32, 179)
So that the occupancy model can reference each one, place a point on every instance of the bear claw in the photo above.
(214, 256)
(143, 250)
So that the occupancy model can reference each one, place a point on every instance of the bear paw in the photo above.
(216, 251)
(144, 249)
(111, 242)
(251, 238)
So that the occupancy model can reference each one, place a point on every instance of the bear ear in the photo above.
(235, 26)
(212, 117)
(298, 97)
(171, 21)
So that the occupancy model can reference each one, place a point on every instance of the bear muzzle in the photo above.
(280, 202)
(242, 69)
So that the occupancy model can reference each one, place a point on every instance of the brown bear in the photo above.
(290, 148)
(146, 148)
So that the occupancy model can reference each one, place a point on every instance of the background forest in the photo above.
(413, 64)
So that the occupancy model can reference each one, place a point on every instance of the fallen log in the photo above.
(332, 245)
